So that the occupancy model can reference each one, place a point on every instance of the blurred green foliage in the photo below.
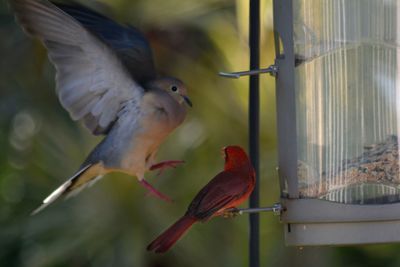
(111, 223)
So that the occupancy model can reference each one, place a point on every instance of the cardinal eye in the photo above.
(174, 88)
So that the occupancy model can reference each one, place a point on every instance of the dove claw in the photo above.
(162, 166)
(155, 192)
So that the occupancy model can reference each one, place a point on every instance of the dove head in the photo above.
(174, 88)
(235, 157)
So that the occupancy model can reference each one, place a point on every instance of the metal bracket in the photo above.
(276, 209)
(273, 70)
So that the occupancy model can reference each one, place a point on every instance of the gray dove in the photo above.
(106, 78)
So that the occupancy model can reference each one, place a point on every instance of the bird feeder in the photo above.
(338, 108)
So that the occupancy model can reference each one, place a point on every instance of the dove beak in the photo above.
(187, 100)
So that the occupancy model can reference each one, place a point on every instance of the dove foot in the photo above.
(162, 166)
(154, 191)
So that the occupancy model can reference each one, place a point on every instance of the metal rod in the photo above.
(276, 208)
(254, 131)
(235, 75)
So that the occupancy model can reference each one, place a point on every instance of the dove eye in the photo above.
(174, 88)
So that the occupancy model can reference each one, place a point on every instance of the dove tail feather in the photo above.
(86, 176)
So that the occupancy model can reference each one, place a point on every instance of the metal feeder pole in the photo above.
(254, 128)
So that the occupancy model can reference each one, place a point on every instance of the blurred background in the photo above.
(111, 223)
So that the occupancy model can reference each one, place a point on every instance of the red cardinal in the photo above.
(228, 189)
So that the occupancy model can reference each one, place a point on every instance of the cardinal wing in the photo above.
(224, 191)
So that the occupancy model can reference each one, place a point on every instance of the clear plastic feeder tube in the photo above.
(347, 99)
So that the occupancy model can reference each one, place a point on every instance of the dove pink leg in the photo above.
(162, 166)
(154, 191)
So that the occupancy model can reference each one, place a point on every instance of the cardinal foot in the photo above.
(230, 213)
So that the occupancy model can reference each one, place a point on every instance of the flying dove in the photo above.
(106, 78)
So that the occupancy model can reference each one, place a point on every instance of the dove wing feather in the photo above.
(92, 83)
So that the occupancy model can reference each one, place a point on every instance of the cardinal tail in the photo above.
(167, 239)
(86, 176)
